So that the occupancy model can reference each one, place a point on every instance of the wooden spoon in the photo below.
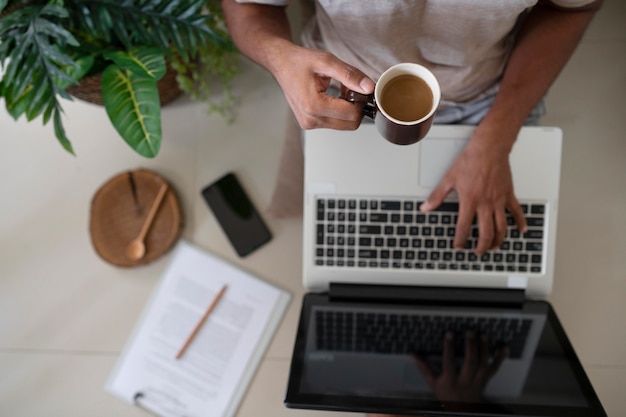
(136, 249)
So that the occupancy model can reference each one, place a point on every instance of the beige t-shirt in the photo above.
(465, 43)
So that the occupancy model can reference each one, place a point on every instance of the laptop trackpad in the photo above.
(436, 156)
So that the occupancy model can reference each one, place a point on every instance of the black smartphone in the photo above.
(236, 214)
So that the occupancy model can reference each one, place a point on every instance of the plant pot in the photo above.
(89, 88)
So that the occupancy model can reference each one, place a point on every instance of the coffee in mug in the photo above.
(404, 102)
(406, 98)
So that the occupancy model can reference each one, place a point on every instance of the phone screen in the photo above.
(236, 214)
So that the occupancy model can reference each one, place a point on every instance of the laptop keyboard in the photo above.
(391, 333)
(393, 233)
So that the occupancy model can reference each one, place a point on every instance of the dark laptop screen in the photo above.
(438, 360)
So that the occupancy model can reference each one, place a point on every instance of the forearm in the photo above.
(545, 43)
(261, 32)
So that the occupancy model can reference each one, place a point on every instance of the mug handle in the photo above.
(369, 103)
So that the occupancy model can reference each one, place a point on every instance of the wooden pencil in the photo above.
(196, 329)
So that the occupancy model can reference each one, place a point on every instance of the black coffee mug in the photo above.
(408, 129)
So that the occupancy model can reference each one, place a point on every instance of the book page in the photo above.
(208, 377)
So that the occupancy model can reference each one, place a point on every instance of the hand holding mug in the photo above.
(305, 75)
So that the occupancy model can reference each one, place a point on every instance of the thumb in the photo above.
(436, 197)
(349, 76)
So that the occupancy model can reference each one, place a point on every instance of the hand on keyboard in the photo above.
(483, 182)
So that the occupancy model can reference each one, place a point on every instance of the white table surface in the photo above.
(65, 314)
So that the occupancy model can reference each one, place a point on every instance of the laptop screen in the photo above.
(433, 359)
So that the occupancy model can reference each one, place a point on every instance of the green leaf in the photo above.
(132, 103)
(84, 64)
(146, 62)
(3, 4)
(16, 107)
(59, 132)
(54, 30)
(38, 99)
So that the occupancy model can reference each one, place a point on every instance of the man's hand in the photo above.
(482, 179)
(304, 76)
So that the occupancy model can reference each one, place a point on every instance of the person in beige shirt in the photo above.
(502, 56)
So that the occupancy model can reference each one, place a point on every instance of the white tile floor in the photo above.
(65, 314)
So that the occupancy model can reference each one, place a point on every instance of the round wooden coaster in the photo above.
(119, 209)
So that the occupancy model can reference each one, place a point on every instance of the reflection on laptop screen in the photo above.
(391, 357)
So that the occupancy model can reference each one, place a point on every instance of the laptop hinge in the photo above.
(426, 295)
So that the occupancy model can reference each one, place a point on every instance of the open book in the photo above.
(212, 376)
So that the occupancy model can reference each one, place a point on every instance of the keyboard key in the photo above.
(378, 217)
(320, 234)
(368, 253)
(537, 209)
(390, 205)
(369, 230)
(534, 246)
(449, 207)
(534, 234)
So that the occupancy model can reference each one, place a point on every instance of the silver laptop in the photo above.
(362, 224)
(394, 306)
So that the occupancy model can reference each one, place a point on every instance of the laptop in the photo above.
(397, 320)
(359, 174)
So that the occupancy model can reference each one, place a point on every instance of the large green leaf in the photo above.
(37, 67)
(132, 103)
(147, 62)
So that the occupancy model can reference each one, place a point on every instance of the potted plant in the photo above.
(48, 47)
